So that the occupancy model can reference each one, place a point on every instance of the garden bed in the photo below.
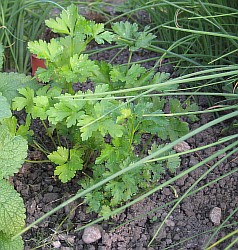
(42, 192)
(109, 107)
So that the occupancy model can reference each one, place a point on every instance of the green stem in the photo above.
(42, 161)
(49, 134)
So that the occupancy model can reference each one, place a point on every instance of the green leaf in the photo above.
(104, 36)
(68, 170)
(68, 111)
(177, 128)
(26, 101)
(105, 155)
(173, 163)
(82, 68)
(41, 106)
(125, 30)
(43, 50)
(44, 75)
(13, 151)
(5, 111)
(105, 212)
(75, 45)
(161, 77)
(12, 211)
(67, 21)
(129, 35)
(125, 114)
(94, 201)
(88, 130)
(60, 156)
(108, 126)
(102, 75)
(144, 40)
(6, 242)
(176, 107)
(11, 82)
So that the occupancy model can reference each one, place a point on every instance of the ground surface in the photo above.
(42, 192)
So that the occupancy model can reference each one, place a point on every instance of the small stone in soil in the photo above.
(92, 234)
(215, 215)
(56, 244)
(182, 147)
(170, 223)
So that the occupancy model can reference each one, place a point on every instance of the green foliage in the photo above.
(21, 21)
(7, 243)
(13, 151)
(73, 66)
(12, 214)
(11, 82)
(129, 35)
(5, 111)
(68, 161)
(100, 128)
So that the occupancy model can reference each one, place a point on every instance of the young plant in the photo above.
(102, 126)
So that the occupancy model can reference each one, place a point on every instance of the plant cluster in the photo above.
(101, 126)
(95, 133)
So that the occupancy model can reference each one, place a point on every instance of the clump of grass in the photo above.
(20, 22)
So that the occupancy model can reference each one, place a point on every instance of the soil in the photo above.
(188, 227)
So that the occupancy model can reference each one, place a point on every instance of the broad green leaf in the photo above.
(60, 156)
(12, 211)
(102, 75)
(68, 170)
(11, 82)
(40, 48)
(41, 106)
(68, 111)
(144, 40)
(125, 30)
(6, 242)
(49, 51)
(26, 101)
(44, 75)
(11, 124)
(5, 111)
(82, 67)
(89, 129)
(110, 127)
(75, 45)
(13, 151)
(177, 128)
(66, 23)
(104, 36)
(129, 35)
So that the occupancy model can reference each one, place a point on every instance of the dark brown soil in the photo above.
(42, 192)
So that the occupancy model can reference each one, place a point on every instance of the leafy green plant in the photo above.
(122, 113)
(13, 151)
(86, 119)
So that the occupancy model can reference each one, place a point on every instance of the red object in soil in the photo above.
(36, 63)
